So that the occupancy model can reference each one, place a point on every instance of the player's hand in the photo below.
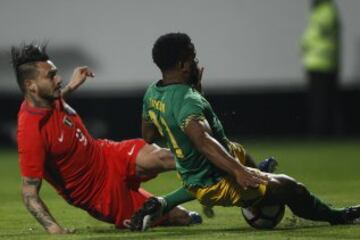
(79, 76)
(248, 177)
(60, 230)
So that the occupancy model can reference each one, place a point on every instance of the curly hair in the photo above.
(24, 60)
(172, 48)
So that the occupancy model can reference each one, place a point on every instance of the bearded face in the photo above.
(47, 84)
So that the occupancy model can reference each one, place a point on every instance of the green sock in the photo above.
(179, 196)
(312, 208)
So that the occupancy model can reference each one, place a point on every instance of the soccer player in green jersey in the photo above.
(213, 170)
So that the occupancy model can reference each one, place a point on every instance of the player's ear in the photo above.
(30, 85)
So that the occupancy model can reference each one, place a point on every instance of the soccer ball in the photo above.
(265, 217)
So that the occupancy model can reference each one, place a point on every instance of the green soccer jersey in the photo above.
(170, 108)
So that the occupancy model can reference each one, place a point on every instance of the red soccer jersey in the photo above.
(96, 175)
(54, 144)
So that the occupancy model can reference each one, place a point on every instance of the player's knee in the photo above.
(166, 159)
(291, 186)
(283, 184)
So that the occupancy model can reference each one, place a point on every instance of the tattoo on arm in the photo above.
(32, 201)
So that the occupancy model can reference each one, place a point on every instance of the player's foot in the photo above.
(351, 215)
(269, 165)
(208, 211)
(142, 219)
(195, 218)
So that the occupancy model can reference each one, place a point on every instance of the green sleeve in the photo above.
(192, 108)
(145, 112)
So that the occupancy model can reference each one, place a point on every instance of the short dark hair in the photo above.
(24, 60)
(171, 48)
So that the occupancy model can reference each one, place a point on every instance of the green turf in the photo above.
(329, 169)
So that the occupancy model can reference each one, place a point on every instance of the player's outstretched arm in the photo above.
(79, 76)
(199, 133)
(34, 204)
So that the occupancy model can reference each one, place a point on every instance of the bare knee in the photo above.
(291, 185)
(167, 159)
(153, 160)
(282, 187)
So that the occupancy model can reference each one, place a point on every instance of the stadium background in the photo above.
(250, 51)
(253, 78)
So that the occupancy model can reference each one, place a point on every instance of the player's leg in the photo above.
(137, 161)
(226, 192)
(286, 190)
(179, 216)
(142, 219)
(154, 212)
(155, 207)
(151, 160)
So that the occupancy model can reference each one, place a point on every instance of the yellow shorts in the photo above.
(237, 151)
(227, 192)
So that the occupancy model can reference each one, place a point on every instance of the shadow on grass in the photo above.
(181, 232)
(193, 232)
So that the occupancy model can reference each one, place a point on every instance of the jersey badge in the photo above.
(67, 121)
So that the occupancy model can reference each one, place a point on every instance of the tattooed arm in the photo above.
(34, 204)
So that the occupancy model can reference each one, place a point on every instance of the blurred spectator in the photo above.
(321, 59)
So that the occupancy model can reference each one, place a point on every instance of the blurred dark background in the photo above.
(250, 50)
(244, 115)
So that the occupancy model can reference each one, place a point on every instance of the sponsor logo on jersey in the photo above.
(61, 138)
(131, 151)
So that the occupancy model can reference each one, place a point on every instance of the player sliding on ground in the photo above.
(100, 176)
(212, 168)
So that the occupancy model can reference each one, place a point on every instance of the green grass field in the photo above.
(330, 169)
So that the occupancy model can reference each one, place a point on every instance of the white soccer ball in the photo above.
(265, 217)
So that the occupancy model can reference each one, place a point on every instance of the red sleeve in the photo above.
(30, 146)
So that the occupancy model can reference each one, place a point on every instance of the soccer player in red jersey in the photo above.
(100, 176)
